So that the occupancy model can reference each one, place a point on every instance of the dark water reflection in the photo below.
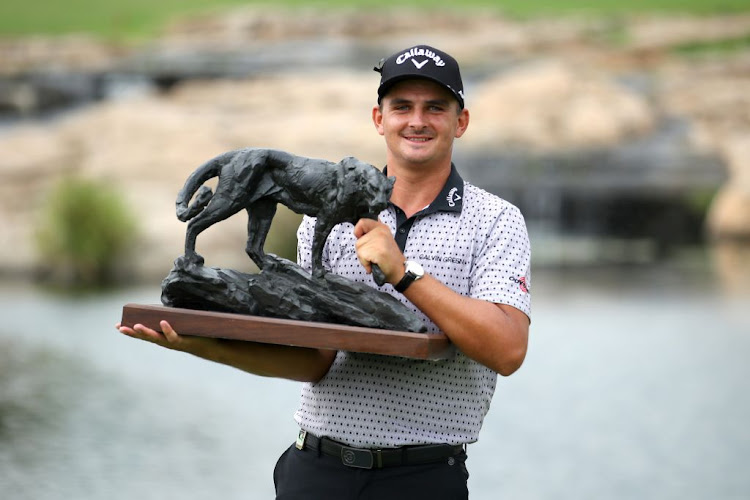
(634, 387)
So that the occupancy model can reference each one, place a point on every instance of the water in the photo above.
(634, 387)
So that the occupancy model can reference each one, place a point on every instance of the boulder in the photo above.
(729, 214)
(552, 105)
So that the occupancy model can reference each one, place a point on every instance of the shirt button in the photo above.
(402, 230)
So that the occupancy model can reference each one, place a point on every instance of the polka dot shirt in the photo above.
(477, 244)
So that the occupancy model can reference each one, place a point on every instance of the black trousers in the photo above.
(306, 474)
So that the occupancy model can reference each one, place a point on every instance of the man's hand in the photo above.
(168, 337)
(375, 245)
(268, 360)
(495, 335)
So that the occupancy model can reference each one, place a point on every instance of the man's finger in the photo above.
(169, 332)
(365, 263)
(364, 226)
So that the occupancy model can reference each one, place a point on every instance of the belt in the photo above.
(365, 458)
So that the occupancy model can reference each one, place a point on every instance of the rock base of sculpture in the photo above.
(284, 290)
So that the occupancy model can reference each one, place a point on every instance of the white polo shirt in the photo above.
(474, 242)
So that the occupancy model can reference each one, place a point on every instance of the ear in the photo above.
(463, 122)
(377, 119)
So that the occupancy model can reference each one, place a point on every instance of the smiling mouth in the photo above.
(418, 139)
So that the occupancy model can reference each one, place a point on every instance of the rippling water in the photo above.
(635, 386)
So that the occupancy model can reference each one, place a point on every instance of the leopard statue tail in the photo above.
(194, 183)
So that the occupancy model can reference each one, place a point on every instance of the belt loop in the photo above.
(378, 458)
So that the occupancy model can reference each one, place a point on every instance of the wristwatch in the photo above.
(413, 272)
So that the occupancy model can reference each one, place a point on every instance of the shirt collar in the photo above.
(450, 199)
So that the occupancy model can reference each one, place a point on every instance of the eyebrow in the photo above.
(432, 102)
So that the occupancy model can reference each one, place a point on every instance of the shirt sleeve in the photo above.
(502, 269)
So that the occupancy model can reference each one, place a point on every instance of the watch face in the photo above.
(415, 269)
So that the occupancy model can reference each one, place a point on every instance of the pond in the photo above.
(635, 386)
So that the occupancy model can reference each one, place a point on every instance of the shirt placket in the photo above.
(403, 226)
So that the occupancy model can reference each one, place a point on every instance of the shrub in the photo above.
(84, 231)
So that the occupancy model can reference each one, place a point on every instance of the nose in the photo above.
(417, 119)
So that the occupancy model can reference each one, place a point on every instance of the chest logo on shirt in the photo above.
(453, 197)
(444, 258)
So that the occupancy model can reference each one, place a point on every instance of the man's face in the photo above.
(419, 120)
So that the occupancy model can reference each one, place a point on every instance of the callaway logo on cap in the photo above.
(421, 61)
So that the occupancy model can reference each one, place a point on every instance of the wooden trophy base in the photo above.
(291, 332)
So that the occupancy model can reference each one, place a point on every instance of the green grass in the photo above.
(726, 45)
(134, 19)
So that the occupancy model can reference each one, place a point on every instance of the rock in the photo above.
(551, 105)
(714, 93)
(56, 54)
(729, 214)
(284, 290)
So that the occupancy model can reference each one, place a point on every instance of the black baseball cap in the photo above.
(421, 61)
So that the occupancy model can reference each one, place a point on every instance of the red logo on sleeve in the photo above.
(522, 284)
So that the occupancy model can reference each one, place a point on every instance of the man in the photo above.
(375, 426)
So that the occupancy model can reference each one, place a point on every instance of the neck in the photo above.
(415, 189)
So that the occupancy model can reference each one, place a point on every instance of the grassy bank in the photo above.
(143, 18)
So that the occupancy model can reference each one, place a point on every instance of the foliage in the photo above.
(143, 18)
(85, 229)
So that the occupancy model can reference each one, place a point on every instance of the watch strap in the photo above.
(414, 271)
(407, 280)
